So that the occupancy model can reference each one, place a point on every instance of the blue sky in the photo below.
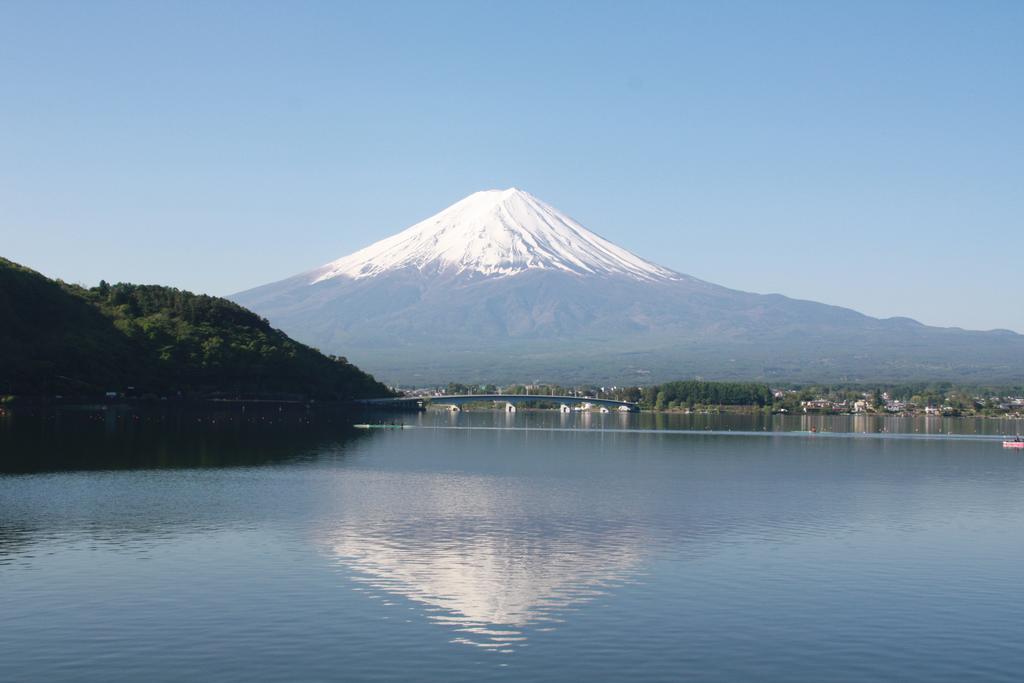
(864, 154)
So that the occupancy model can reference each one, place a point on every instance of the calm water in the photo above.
(487, 546)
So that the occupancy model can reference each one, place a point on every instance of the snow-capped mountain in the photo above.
(502, 286)
(495, 233)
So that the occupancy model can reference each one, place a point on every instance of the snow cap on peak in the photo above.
(497, 195)
(495, 233)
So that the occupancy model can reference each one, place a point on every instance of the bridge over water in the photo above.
(566, 403)
(456, 401)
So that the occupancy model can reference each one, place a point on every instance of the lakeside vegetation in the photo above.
(658, 396)
(919, 398)
(924, 398)
(149, 341)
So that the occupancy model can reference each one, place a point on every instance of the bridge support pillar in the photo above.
(565, 408)
(510, 408)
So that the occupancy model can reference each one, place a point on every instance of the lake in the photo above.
(493, 546)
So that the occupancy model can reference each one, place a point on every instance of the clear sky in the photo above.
(864, 154)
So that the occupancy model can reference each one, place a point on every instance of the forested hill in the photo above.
(57, 338)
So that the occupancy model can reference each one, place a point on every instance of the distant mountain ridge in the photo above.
(501, 286)
(57, 338)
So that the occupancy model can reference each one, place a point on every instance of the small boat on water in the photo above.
(381, 426)
(1016, 442)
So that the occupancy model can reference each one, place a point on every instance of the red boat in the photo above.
(1017, 442)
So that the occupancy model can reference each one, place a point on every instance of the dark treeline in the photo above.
(140, 340)
(688, 393)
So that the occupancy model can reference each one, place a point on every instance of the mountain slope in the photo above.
(59, 338)
(502, 286)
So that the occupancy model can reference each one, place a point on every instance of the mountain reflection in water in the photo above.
(480, 572)
(484, 546)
